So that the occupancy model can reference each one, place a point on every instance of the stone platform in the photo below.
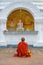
(6, 57)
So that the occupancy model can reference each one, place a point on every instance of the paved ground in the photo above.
(6, 57)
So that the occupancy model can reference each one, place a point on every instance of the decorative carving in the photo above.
(12, 24)
(26, 18)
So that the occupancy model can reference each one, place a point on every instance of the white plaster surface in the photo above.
(14, 39)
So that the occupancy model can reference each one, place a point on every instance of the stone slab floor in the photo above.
(6, 57)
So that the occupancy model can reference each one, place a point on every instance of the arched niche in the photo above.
(20, 14)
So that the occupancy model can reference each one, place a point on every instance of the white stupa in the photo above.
(33, 38)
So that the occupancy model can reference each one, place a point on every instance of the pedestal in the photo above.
(13, 37)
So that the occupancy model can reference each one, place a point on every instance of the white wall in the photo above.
(2, 28)
(13, 39)
(34, 39)
(27, 5)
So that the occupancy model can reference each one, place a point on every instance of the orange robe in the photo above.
(22, 50)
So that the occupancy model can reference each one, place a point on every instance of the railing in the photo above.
(15, 32)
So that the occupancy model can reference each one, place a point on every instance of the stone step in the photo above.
(37, 0)
(38, 3)
(5, 3)
(38, 44)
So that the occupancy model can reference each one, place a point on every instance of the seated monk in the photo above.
(22, 49)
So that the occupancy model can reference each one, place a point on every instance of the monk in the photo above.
(22, 49)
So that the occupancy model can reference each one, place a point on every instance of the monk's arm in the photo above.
(18, 47)
(27, 45)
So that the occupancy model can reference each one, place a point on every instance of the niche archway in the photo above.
(23, 15)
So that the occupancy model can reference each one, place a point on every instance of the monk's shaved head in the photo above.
(22, 39)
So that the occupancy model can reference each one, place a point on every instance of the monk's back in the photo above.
(22, 47)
